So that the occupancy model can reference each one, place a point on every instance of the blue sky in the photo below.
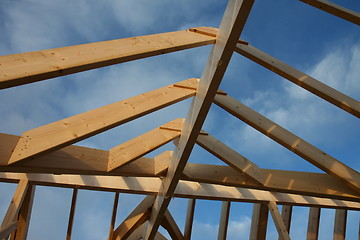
(319, 44)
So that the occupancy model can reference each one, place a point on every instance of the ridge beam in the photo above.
(137, 147)
(25, 68)
(233, 22)
(289, 140)
(56, 135)
(231, 157)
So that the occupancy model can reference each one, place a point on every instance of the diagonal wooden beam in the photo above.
(231, 157)
(16, 203)
(335, 9)
(137, 234)
(135, 219)
(301, 79)
(24, 68)
(5, 231)
(168, 222)
(137, 147)
(279, 223)
(231, 27)
(51, 137)
(286, 213)
(289, 140)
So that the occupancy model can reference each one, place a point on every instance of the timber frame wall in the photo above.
(45, 155)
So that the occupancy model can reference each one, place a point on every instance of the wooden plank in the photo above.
(7, 230)
(135, 219)
(230, 29)
(24, 215)
(168, 222)
(313, 224)
(137, 147)
(189, 218)
(289, 140)
(72, 214)
(24, 68)
(224, 220)
(81, 160)
(301, 79)
(113, 216)
(335, 9)
(16, 203)
(231, 157)
(286, 213)
(51, 137)
(340, 224)
(279, 223)
(137, 234)
(259, 221)
(185, 189)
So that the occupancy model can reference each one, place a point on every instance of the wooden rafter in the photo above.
(24, 68)
(289, 140)
(335, 9)
(231, 27)
(137, 147)
(231, 157)
(51, 137)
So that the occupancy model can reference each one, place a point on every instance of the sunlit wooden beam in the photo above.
(259, 221)
(51, 137)
(279, 223)
(24, 68)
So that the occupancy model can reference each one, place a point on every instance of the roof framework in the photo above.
(45, 155)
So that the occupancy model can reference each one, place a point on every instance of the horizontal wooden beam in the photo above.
(231, 157)
(51, 137)
(335, 9)
(137, 147)
(85, 161)
(289, 140)
(185, 189)
(24, 68)
(301, 79)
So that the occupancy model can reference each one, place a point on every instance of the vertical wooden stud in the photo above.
(313, 224)
(340, 224)
(72, 213)
(113, 216)
(224, 220)
(259, 221)
(189, 218)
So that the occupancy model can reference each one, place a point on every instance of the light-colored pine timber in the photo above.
(7, 230)
(81, 160)
(113, 215)
(289, 140)
(231, 157)
(16, 203)
(51, 137)
(301, 79)
(286, 213)
(189, 218)
(71, 214)
(168, 222)
(230, 29)
(224, 220)
(335, 9)
(23, 218)
(279, 223)
(24, 68)
(340, 224)
(185, 189)
(137, 147)
(137, 217)
(313, 224)
(259, 221)
(137, 234)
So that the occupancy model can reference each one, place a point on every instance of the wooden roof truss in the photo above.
(45, 155)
